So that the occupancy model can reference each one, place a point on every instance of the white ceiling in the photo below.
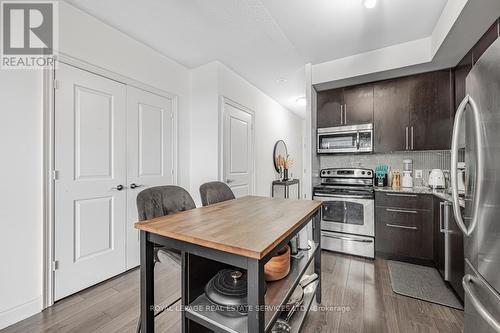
(266, 40)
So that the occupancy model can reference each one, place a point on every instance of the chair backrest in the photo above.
(214, 192)
(163, 200)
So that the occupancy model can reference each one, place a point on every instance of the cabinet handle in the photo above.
(400, 226)
(401, 211)
(406, 130)
(441, 228)
(345, 114)
(341, 115)
(401, 195)
(412, 148)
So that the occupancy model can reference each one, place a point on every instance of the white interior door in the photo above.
(90, 159)
(238, 150)
(150, 151)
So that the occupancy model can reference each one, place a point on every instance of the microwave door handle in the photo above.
(454, 160)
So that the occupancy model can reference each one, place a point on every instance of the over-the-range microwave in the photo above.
(345, 139)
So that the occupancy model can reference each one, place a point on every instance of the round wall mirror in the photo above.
(280, 152)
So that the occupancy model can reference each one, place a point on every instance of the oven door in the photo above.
(348, 214)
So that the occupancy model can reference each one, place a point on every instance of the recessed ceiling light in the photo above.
(301, 101)
(281, 80)
(370, 3)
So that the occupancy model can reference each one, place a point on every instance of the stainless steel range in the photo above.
(348, 213)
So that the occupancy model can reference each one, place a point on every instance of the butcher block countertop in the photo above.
(250, 226)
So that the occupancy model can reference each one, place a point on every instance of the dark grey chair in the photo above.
(160, 201)
(214, 192)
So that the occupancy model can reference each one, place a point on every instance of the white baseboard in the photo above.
(20, 312)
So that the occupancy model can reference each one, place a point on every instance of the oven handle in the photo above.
(350, 239)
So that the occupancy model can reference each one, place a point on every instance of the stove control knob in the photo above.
(369, 173)
(328, 172)
(363, 173)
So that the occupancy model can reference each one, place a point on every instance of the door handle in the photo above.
(134, 185)
(454, 160)
(118, 187)
(229, 181)
(400, 226)
(476, 303)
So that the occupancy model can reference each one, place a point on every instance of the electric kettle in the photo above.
(436, 179)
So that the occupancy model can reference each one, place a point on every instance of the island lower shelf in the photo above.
(277, 295)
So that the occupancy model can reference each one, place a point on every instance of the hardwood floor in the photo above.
(356, 291)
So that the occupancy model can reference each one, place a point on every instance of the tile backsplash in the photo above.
(422, 160)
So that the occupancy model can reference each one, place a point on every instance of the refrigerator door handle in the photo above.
(476, 303)
(454, 160)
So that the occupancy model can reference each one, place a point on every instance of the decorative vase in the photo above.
(285, 175)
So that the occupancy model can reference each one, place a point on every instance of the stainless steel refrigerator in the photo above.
(477, 133)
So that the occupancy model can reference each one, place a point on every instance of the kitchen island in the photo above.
(243, 233)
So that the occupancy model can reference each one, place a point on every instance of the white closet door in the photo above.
(150, 151)
(238, 150)
(90, 159)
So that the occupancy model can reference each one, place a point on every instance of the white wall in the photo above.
(87, 39)
(204, 126)
(21, 197)
(272, 122)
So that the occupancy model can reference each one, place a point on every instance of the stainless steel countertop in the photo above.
(441, 194)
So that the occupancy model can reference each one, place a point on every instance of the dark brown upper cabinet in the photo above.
(485, 42)
(461, 71)
(358, 105)
(330, 108)
(465, 65)
(391, 115)
(431, 110)
(414, 112)
(345, 106)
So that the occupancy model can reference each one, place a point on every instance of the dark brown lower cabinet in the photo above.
(404, 234)
(448, 246)
(457, 259)
(421, 229)
(439, 241)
